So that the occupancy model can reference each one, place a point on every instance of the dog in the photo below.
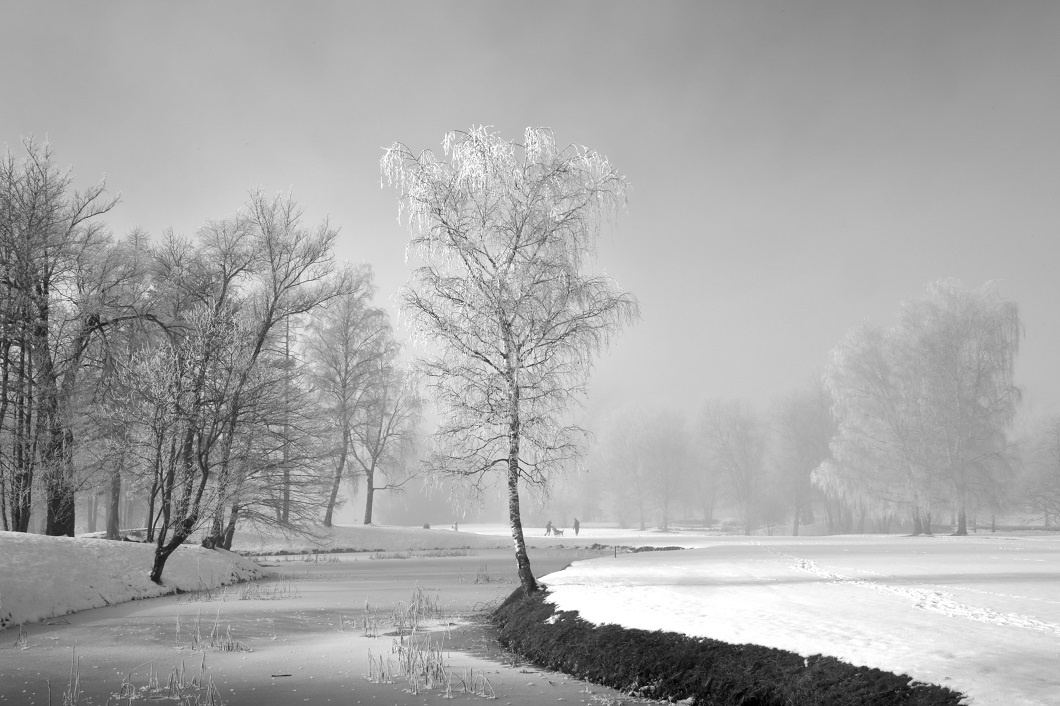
(557, 532)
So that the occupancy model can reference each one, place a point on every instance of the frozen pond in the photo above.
(304, 628)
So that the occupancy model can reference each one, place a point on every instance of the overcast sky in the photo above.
(797, 167)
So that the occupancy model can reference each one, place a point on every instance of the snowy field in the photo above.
(44, 577)
(370, 538)
(980, 614)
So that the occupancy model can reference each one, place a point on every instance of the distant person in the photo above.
(456, 527)
(577, 525)
(548, 528)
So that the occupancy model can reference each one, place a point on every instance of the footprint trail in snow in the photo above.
(922, 598)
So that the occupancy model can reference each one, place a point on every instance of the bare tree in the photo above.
(505, 233)
(618, 457)
(1040, 473)
(386, 431)
(735, 440)
(65, 285)
(665, 447)
(805, 426)
(201, 394)
(349, 340)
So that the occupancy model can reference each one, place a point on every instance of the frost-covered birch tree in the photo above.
(505, 300)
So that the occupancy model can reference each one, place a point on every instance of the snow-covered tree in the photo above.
(967, 340)
(924, 407)
(506, 300)
(216, 400)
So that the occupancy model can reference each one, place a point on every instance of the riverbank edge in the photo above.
(694, 670)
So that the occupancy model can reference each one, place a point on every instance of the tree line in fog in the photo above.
(913, 426)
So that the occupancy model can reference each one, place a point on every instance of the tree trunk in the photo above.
(5, 380)
(60, 507)
(22, 502)
(708, 511)
(962, 523)
(163, 550)
(230, 529)
(286, 514)
(90, 520)
(216, 535)
(369, 489)
(59, 489)
(526, 576)
(918, 529)
(114, 505)
(807, 514)
(748, 521)
(337, 481)
(4, 524)
(22, 478)
(59, 450)
(795, 522)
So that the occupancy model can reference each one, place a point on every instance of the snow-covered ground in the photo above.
(365, 538)
(595, 534)
(44, 577)
(980, 614)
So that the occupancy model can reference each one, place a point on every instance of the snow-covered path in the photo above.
(980, 614)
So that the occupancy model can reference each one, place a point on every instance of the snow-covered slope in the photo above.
(42, 577)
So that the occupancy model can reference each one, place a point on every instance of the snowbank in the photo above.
(42, 577)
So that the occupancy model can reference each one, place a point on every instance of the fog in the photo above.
(795, 171)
